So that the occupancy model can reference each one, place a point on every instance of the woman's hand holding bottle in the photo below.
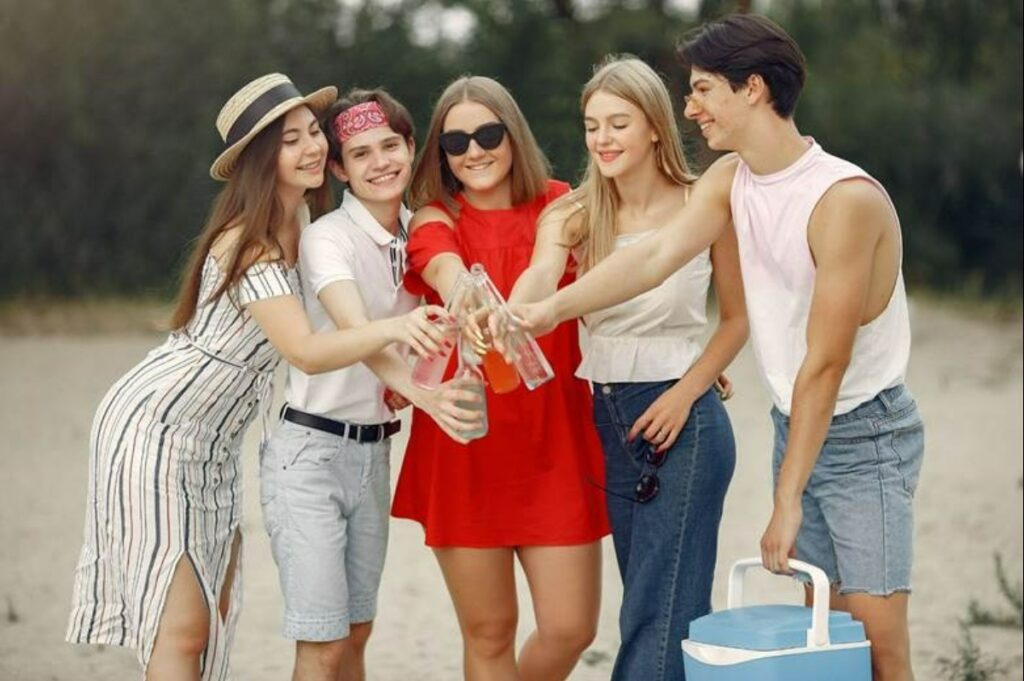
(423, 330)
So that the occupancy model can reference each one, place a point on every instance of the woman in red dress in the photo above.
(531, 488)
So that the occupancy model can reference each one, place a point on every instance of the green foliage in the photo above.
(970, 664)
(1011, 593)
(110, 108)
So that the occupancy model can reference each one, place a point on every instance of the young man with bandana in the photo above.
(325, 475)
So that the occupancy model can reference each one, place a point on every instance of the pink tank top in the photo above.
(771, 214)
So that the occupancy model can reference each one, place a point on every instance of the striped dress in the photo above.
(164, 471)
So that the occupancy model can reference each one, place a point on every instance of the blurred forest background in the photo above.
(109, 108)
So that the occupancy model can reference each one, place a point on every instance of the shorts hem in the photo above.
(316, 630)
(847, 590)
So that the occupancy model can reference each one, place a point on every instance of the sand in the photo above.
(966, 373)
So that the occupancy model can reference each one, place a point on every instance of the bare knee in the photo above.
(321, 654)
(490, 638)
(890, 660)
(358, 636)
(571, 637)
(184, 637)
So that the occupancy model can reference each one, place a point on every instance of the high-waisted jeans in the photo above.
(666, 547)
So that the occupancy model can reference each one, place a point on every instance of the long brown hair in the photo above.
(249, 200)
(433, 180)
(636, 82)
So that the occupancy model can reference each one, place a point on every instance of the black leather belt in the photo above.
(360, 433)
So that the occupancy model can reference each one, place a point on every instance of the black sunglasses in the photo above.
(648, 486)
(488, 136)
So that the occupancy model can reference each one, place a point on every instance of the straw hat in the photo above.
(256, 106)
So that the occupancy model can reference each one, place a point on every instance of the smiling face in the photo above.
(303, 152)
(716, 108)
(619, 137)
(481, 171)
(376, 165)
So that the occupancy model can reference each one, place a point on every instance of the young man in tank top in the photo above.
(820, 252)
(325, 474)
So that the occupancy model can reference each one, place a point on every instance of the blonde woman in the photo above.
(159, 568)
(668, 444)
(524, 491)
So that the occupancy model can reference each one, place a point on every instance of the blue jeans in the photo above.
(858, 506)
(666, 548)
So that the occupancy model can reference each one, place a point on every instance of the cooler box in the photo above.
(777, 642)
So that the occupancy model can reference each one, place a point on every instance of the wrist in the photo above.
(787, 496)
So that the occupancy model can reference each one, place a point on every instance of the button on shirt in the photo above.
(348, 244)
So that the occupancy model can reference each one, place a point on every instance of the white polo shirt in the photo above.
(348, 244)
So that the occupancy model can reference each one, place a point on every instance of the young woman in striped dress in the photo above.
(159, 568)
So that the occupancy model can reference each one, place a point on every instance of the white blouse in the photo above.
(655, 336)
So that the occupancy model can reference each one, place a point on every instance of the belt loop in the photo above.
(888, 397)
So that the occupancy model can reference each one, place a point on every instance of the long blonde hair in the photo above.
(433, 180)
(593, 230)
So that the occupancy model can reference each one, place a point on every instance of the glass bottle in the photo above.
(530, 362)
(427, 372)
(469, 377)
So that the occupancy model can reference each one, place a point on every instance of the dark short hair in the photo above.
(740, 45)
(398, 116)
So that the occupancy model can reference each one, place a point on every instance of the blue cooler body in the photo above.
(777, 642)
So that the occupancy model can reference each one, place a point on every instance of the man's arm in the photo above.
(345, 306)
(627, 273)
(844, 234)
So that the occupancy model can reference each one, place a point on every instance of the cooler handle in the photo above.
(817, 635)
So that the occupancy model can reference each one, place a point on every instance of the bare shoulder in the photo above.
(226, 242)
(857, 194)
(857, 202)
(223, 249)
(430, 214)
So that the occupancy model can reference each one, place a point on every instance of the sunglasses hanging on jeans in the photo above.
(487, 136)
(648, 486)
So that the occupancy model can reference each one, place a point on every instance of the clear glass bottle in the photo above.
(530, 362)
(428, 372)
(469, 377)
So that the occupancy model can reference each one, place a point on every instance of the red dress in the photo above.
(532, 480)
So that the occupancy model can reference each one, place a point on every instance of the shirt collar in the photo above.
(362, 217)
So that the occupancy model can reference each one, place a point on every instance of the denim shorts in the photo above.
(858, 507)
(325, 505)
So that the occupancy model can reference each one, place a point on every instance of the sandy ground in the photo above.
(966, 374)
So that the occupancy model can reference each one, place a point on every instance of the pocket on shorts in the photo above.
(312, 451)
(907, 446)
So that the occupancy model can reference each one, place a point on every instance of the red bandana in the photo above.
(359, 118)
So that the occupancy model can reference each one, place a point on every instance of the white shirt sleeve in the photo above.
(326, 255)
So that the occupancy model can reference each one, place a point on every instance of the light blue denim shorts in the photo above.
(325, 505)
(858, 507)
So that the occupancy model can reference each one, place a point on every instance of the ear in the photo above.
(757, 89)
(338, 171)
(412, 146)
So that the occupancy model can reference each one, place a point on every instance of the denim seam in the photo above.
(680, 540)
(885, 521)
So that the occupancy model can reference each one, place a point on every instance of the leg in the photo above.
(868, 474)
(353, 654)
(340, 660)
(483, 590)
(565, 584)
(885, 623)
(229, 578)
(621, 471)
(184, 629)
(674, 539)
